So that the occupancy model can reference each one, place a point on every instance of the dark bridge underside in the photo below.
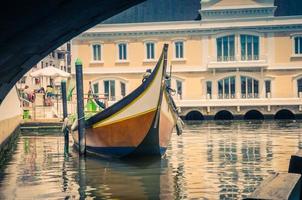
(31, 29)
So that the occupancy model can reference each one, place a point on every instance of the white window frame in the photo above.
(183, 49)
(223, 87)
(174, 80)
(208, 96)
(98, 84)
(294, 47)
(295, 84)
(92, 52)
(237, 43)
(230, 59)
(253, 89)
(146, 49)
(118, 60)
(268, 95)
(259, 46)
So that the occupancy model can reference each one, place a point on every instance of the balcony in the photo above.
(237, 61)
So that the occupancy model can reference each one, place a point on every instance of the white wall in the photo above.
(10, 107)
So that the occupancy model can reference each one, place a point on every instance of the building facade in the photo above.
(237, 59)
(59, 58)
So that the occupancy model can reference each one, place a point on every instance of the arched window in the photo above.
(299, 87)
(225, 48)
(227, 88)
(109, 89)
(249, 87)
(113, 88)
(249, 47)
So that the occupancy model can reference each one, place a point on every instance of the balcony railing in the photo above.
(238, 61)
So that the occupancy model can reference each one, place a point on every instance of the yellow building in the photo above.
(238, 60)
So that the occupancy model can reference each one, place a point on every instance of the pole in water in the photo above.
(80, 107)
(64, 104)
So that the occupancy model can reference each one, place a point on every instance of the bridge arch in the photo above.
(194, 115)
(224, 115)
(285, 114)
(253, 115)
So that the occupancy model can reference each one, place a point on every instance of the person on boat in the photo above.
(146, 75)
(168, 85)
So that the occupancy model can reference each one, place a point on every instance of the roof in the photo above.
(184, 10)
(158, 11)
(288, 7)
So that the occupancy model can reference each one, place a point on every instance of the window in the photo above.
(42, 64)
(123, 89)
(226, 88)
(249, 87)
(150, 50)
(267, 88)
(96, 49)
(68, 46)
(109, 89)
(179, 89)
(179, 49)
(298, 45)
(249, 47)
(95, 87)
(61, 55)
(226, 48)
(122, 51)
(209, 89)
(22, 80)
(299, 85)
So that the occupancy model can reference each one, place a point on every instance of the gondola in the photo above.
(140, 124)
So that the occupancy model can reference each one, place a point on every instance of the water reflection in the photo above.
(212, 160)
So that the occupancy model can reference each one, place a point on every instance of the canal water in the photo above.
(211, 160)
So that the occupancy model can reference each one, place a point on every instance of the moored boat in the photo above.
(139, 124)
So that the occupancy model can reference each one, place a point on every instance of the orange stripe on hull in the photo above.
(127, 133)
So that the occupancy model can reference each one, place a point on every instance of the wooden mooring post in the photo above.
(80, 107)
(65, 115)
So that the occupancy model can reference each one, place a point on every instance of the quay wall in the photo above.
(10, 116)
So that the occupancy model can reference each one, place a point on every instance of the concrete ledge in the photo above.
(41, 127)
(279, 187)
(8, 126)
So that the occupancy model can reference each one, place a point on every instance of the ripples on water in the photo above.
(212, 160)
